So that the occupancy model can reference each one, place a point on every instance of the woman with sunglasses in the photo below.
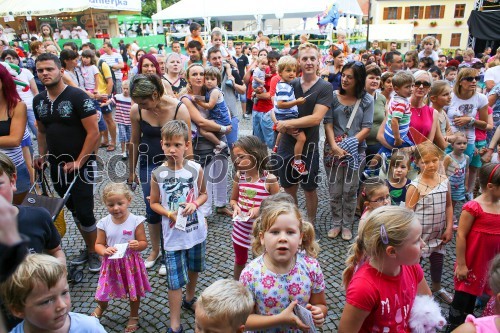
(345, 145)
(466, 104)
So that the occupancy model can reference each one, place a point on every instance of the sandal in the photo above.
(333, 233)
(132, 327)
(346, 234)
(189, 305)
(111, 148)
(224, 211)
(104, 145)
(94, 314)
(443, 295)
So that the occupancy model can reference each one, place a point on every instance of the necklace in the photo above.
(275, 269)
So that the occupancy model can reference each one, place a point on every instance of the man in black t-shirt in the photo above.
(242, 63)
(68, 134)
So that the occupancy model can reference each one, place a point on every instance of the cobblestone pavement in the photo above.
(154, 311)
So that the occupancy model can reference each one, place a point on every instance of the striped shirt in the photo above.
(16, 153)
(113, 59)
(284, 92)
(250, 195)
(123, 106)
(399, 107)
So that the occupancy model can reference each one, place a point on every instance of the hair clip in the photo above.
(383, 235)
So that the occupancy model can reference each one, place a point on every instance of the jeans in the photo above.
(262, 126)
(31, 122)
(233, 136)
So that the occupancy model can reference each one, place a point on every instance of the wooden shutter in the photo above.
(427, 12)
(438, 37)
(399, 12)
(407, 13)
(386, 13)
(421, 12)
(441, 11)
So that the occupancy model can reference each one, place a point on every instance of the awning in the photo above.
(391, 32)
(484, 25)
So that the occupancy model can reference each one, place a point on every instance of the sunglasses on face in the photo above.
(426, 84)
(471, 78)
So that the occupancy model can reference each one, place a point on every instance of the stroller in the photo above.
(54, 206)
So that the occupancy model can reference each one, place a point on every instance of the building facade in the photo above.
(445, 19)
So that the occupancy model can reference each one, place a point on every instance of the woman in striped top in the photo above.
(252, 184)
(13, 117)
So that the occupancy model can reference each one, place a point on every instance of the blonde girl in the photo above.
(429, 46)
(429, 195)
(440, 96)
(125, 277)
(252, 184)
(285, 273)
(381, 292)
(375, 194)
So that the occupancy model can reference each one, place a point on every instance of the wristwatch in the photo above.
(472, 121)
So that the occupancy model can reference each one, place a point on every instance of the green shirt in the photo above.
(378, 118)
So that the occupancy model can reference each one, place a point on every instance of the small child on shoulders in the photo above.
(224, 306)
(218, 110)
(38, 292)
(259, 76)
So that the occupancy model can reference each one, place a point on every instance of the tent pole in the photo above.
(92, 20)
(368, 25)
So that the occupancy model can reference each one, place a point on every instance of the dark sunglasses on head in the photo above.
(426, 84)
(471, 78)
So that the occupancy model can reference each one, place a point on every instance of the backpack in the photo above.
(113, 77)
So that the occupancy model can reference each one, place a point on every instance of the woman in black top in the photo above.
(152, 110)
(173, 73)
(333, 69)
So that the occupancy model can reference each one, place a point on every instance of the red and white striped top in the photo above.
(250, 195)
(123, 106)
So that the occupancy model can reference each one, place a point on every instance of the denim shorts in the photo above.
(23, 182)
(179, 262)
(124, 132)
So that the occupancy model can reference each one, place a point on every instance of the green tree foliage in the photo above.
(149, 6)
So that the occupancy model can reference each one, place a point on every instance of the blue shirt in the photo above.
(79, 324)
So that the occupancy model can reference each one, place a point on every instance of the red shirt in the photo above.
(389, 299)
(265, 105)
(272, 86)
(482, 134)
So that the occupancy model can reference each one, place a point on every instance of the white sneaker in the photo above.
(163, 270)
(151, 263)
(220, 147)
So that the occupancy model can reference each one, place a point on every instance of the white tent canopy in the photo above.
(235, 10)
(52, 7)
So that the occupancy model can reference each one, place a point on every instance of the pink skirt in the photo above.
(124, 278)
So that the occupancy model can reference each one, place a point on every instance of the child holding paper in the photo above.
(120, 239)
(177, 192)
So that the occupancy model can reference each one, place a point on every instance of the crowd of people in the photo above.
(410, 148)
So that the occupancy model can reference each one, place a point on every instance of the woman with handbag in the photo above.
(347, 124)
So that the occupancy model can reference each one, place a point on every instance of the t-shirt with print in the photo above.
(36, 223)
(62, 120)
(120, 233)
(114, 59)
(80, 323)
(468, 108)
(273, 292)
(89, 73)
(242, 63)
(388, 299)
(320, 93)
(176, 187)
(102, 83)
(27, 96)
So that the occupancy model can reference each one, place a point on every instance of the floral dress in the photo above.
(273, 292)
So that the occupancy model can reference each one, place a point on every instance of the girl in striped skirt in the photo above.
(252, 184)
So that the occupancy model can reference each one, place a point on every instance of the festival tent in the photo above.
(391, 32)
(235, 10)
(15, 8)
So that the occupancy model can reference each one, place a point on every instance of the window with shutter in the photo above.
(434, 12)
(421, 12)
(407, 13)
(386, 13)
(414, 12)
(392, 13)
(441, 11)
(428, 12)
(399, 12)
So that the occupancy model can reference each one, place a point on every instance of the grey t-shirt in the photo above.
(339, 115)
(320, 93)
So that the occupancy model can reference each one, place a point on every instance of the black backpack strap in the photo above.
(177, 109)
